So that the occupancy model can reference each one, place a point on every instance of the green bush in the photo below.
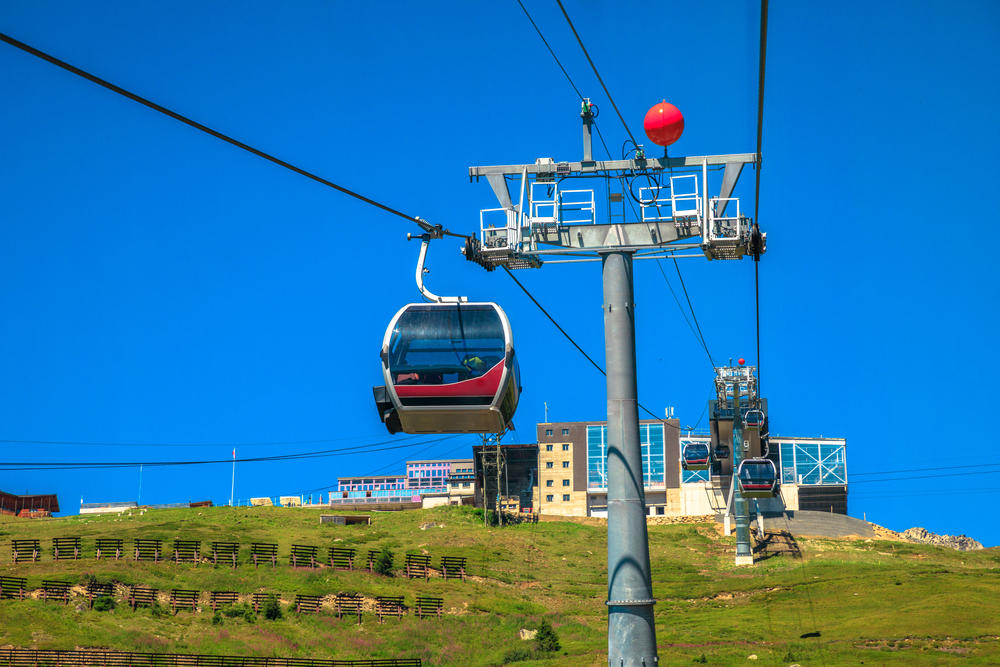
(217, 619)
(157, 611)
(548, 640)
(104, 603)
(271, 608)
(516, 655)
(236, 610)
(383, 562)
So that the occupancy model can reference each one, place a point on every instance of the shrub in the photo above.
(235, 610)
(104, 603)
(702, 659)
(516, 655)
(547, 638)
(271, 608)
(217, 619)
(383, 562)
(157, 611)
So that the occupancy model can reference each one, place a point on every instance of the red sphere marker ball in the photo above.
(741, 361)
(664, 124)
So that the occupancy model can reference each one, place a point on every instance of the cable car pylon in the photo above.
(551, 224)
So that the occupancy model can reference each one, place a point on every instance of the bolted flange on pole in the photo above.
(631, 629)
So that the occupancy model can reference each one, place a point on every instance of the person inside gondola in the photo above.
(418, 378)
(475, 365)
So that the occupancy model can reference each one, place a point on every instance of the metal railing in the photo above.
(654, 205)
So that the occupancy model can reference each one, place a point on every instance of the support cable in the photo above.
(553, 53)
(91, 443)
(552, 319)
(565, 73)
(893, 472)
(704, 345)
(635, 143)
(659, 264)
(340, 451)
(756, 198)
(218, 135)
(379, 471)
(596, 73)
(580, 349)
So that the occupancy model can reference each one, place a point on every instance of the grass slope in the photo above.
(860, 600)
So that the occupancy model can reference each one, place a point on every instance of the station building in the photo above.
(572, 475)
(449, 478)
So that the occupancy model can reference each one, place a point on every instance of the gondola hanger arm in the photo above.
(425, 240)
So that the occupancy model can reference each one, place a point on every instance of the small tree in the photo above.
(383, 562)
(271, 608)
(548, 640)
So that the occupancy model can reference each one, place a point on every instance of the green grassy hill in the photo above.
(870, 601)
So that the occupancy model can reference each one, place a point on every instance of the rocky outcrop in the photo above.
(924, 536)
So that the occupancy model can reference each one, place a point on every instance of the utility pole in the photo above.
(499, 464)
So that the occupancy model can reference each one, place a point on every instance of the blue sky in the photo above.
(160, 286)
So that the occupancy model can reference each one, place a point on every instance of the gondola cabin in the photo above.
(448, 368)
(695, 456)
(758, 478)
(753, 420)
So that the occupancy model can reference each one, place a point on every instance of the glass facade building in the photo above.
(651, 440)
(807, 462)
(812, 463)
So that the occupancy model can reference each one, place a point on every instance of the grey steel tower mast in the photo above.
(554, 225)
(733, 385)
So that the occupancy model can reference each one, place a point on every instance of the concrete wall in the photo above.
(789, 496)
(433, 501)
(109, 508)
(699, 498)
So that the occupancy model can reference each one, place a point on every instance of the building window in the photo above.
(566, 447)
(548, 448)
(548, 464)
(565, 431)
(548, 482)
(566, 497)
(465, 485)
(565, 482)
(565, 464)
(548, 431)
(813, 462)
(548, 498)
(651, 442)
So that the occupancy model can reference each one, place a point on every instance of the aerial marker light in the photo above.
(664, 124)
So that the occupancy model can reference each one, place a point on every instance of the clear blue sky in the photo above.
(160, 286)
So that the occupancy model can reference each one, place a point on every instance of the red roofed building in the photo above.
(28, 506)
